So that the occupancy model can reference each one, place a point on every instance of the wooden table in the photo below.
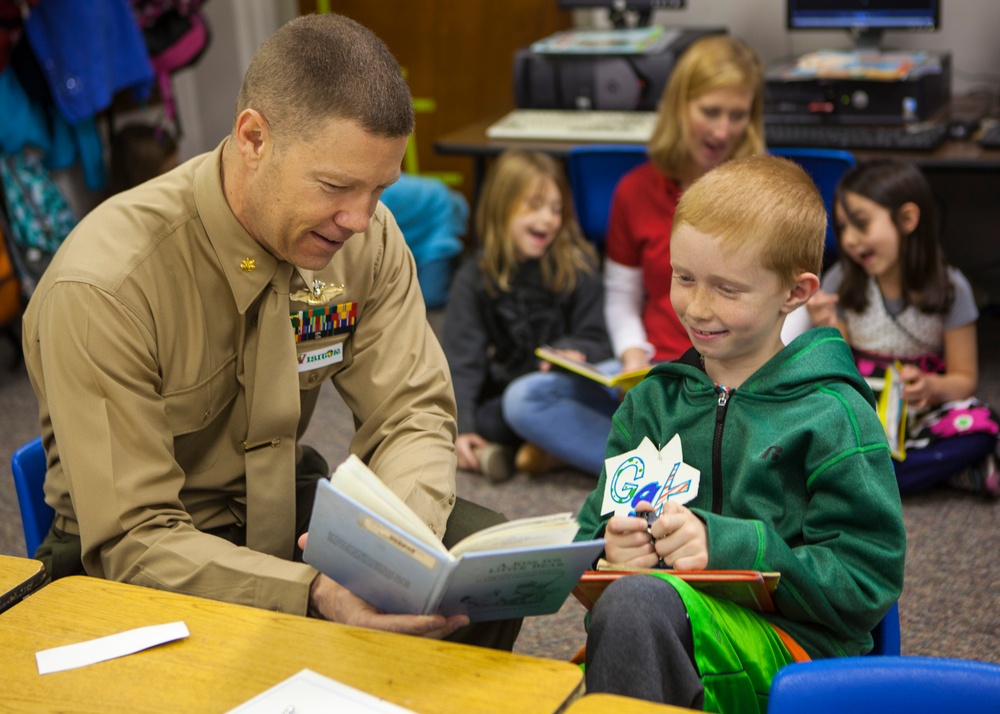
(613, 703)
(18, 577)
(236, 652)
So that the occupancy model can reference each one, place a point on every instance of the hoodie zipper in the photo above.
(720, 422)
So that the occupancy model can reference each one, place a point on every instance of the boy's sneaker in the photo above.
(496, 462)
(983, 478)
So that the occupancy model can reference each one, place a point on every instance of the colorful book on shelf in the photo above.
(627, 41)
(622, 380)
(882, 66)
(752, 589)
(365, 537)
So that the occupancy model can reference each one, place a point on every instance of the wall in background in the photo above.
(206, 93)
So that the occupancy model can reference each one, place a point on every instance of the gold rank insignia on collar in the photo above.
(248, 265)
(318, 294)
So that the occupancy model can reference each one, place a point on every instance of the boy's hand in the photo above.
(627, 541)
(681, 538)
(822, 309)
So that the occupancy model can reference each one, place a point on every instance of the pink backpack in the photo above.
(176, 35)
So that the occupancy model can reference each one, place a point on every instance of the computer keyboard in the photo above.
(920, 137)
(570, 125)
(990, 138)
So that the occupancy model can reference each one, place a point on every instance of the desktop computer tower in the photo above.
(857, 100)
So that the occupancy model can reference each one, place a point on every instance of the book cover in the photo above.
(891, 408)
(751, 589)
(364, 537)
(622, 380)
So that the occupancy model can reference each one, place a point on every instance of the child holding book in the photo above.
(534, 282)
(795, 471)
(895, 298)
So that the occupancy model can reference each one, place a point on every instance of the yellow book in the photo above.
(891, 408)
(622, 380)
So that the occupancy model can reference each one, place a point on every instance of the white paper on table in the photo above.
(648, 474)
(129, 642)
(310, 693)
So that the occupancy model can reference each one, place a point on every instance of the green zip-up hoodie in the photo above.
(796, 477)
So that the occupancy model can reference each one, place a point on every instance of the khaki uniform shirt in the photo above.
(134, 346)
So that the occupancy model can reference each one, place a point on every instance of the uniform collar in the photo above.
(247, 265)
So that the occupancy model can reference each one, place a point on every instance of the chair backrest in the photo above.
(594, 170)
(886, 685)
(886, 633)
(825, 167)
(28, 465)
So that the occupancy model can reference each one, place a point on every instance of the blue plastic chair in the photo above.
(594, 170)
(886, 685)
(825, 167)
(886, 634)
(29, 466)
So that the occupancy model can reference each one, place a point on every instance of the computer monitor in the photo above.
(617, 8)
(864, 19)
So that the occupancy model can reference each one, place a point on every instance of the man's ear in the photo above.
(908, 217)
(804, 287)
(252, 136)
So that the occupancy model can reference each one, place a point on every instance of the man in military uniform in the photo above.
(158, 343)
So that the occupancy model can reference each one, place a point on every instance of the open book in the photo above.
(622, 380)
(751, 589)
(363, 536)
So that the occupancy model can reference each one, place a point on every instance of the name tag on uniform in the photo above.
(322, 357)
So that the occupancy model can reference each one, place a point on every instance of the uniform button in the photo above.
(313, 378)
(208, 414)
(253, 321)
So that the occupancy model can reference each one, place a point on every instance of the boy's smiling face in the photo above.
(732, 307)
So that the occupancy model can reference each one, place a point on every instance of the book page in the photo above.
(359, 482)
(556, 529)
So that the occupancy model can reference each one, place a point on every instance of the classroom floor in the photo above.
(949, 608)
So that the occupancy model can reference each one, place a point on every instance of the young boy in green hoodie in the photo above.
(795, 472)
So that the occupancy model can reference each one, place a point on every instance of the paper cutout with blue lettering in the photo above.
(645, 474)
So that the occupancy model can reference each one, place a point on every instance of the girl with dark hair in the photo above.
(895, 298)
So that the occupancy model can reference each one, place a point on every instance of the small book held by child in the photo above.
(622, 380)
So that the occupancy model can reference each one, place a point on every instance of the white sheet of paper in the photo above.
(129, 642)
(308, 692)
(648, 474)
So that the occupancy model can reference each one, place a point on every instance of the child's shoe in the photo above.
(983, 478)
(535, 461)
(496, 462)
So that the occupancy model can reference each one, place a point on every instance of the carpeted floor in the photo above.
(950, 605)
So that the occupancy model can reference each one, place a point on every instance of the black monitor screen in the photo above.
(864, 14)
(865, 19)
(640, 5)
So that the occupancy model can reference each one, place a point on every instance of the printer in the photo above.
(584, 70)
